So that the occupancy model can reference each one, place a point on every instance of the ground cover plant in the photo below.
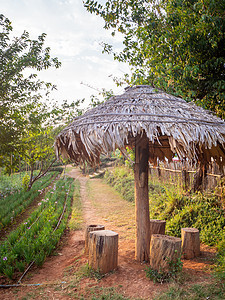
(14, 204)
(197, 291)
(35, 239)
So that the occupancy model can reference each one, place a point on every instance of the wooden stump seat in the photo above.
(190, 242)
(164, 248)
(157, 227)
(103, 250)
(90, 228)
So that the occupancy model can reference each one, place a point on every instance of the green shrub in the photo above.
(25, 181)
(122, 179)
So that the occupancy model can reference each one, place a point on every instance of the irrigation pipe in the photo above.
(64, 208)
(28, 284)
(31, 264)
(28, 268)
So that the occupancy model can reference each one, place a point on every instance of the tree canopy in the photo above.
(177, 45)
(20, 58)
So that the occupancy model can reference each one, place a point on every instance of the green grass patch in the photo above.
(76, 220)
(122, 179)
(98, 293)
(214, 291)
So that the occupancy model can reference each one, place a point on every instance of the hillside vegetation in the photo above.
(179, 208)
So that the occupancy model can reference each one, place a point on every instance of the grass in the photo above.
(122, 179)
(97, 293)
(76, 219)
(214, 291)
(99, 193)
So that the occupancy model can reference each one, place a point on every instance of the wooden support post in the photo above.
(185, 178)
(103, 250)
(90, 228)
(157, 227)
(190, 242)
(163, 249)
(142, 199)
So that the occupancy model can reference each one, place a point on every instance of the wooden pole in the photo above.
(142, 199)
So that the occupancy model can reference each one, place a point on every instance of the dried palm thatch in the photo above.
(171, 124)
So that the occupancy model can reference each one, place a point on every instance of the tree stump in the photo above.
(163, 249)
(90, 228)
(103, 250)
(157, 227)
(190, 242)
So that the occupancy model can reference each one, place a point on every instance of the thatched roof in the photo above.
(171, 124)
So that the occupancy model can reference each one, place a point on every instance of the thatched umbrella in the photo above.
(157, 125)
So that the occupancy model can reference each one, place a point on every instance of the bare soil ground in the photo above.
(62, 275)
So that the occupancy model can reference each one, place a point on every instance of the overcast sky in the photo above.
(73, 35)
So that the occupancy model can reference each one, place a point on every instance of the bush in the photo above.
(25, 181)
(122, 179)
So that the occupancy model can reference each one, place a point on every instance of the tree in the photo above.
(18, 91)
(42, 125)
(176, 45)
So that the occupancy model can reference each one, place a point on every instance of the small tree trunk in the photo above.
(142, 200)
(103, 250)
(190, 242)
(90, 228)
(31, 178)
(164, 249)
(157, 227)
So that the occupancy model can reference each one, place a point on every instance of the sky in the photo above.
(74, 36)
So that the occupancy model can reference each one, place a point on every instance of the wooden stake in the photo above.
(142, 199)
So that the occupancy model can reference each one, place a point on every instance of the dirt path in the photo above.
(61, 275)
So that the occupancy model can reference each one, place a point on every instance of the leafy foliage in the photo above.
(19, 92)
(174, 270)
(176, 45)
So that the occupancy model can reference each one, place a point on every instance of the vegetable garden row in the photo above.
(38, 235)
(14, 204)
